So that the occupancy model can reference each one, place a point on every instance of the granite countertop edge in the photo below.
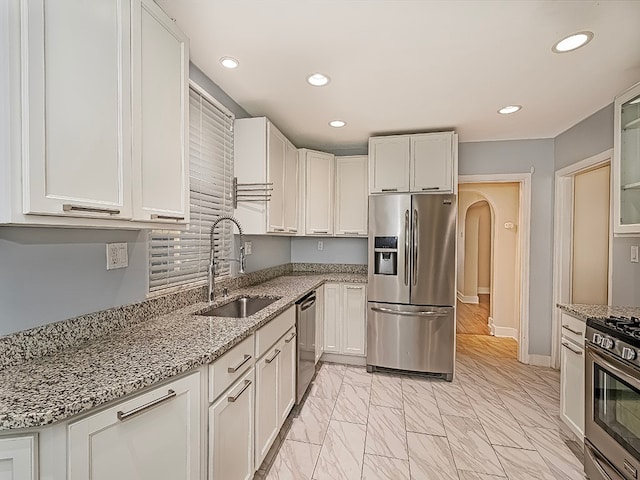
(57, 387)
(586, 311)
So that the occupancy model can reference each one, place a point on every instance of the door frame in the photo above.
(563, 236)
(524, 241)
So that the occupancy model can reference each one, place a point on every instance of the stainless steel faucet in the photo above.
(212, 259)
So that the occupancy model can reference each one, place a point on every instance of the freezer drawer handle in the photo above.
(124, 415)
(429, 313)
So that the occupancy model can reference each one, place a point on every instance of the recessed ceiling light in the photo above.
(572, 42)
(509, 109)
(337, 123)
(229, 62)
(318, 79)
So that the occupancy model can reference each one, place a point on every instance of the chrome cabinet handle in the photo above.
(319, 231)
(288, 340)
(350, 233)
(349, 287)
(242, 362)
(235, 397)
(389, 190)
(415, 247)
(568, 347)
(273, 357)
(571, 330)
(166, 217)
(426, 189)
(293, 230)
(406, 247)
(68, 207)
(277, 229)
(125, 415)
(429, 313)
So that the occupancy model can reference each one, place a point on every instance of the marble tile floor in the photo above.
(497, 420)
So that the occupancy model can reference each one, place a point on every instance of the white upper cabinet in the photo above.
(160, 119)
(626, 164)
(263, 155)
(351, 196)
(425, 162)
(319, 185)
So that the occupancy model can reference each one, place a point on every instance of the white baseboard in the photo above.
(467, 298)
(344, 359)
(505, 332)
(484, 290)
(540, 360)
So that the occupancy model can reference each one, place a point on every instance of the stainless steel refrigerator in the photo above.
(411, 321)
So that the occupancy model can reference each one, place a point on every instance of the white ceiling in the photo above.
(414, 65)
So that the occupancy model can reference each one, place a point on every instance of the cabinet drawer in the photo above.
(573, 328)
(272, 331)
(229, 367)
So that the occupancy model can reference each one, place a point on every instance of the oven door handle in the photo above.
(599, 359)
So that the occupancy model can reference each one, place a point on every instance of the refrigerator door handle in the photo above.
(415, 246)
(406, 247)
(428, 313)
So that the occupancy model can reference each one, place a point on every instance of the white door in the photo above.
(572, 385)
(17, 459)
(332, 318)
(319, 193)
(351, 196)
(291, 178)
(432, 162)
(277, 145)
(78, 159)
(155, 435)
(231, 432)
(267, 419)
(160, 104)
(319, 322)
(286, 375)
(353, 319)
(389, 164)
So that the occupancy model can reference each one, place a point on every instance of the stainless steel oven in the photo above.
(612, 409)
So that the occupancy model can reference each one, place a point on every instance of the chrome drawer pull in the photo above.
(319, 231)
(235, 397)
(571, 330)
(124, 415)
(353, 288)
(68, 207)
(275, 354)
(166, 217)
(426, 189)
(566, 345)
(278, 229)
(389, 189)
(288, 340)
(242, 362)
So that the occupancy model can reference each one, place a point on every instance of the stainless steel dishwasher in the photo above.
(306, 328)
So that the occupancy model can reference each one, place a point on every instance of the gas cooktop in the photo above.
(618, 335)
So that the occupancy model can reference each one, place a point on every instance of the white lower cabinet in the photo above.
(345, 319)
(266, 403)
(572, 374)
(231, 432)
(17, 458)
(286, 376)
(155, 435)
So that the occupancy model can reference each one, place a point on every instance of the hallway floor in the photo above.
(497, 419)
(472, 318)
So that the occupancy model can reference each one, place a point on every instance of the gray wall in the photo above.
(268, 251)
(335, 250)
(50, 274)
(589, 137)
(519, 156)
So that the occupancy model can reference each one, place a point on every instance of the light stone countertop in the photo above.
(56, 387)
(584, 311)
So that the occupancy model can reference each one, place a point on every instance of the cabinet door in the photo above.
(319, 193)
(160, 119)
(572, 386)
(291, 175)
(389, 164)
(332, 318)
(17, 458)
(155, 435)
(353, 319)
(277, 146)
(351, 196)
(319, 322)
(77, 155)
(267, 419)
(286, 376)
(432, 162)
(231, 432)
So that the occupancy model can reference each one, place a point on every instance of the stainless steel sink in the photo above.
(240, 307)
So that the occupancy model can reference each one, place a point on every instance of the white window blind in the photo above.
(181, 258)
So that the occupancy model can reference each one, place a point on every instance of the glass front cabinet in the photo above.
(627, 162)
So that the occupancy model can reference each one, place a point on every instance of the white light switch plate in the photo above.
(247, 248)
(634, 253)
(320, 245)
(117, 256)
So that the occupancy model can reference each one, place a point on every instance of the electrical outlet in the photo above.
(634, 253)
(247, 248)
(117, 256)
(320, 245)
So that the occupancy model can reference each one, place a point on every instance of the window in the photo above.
(179, 258)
